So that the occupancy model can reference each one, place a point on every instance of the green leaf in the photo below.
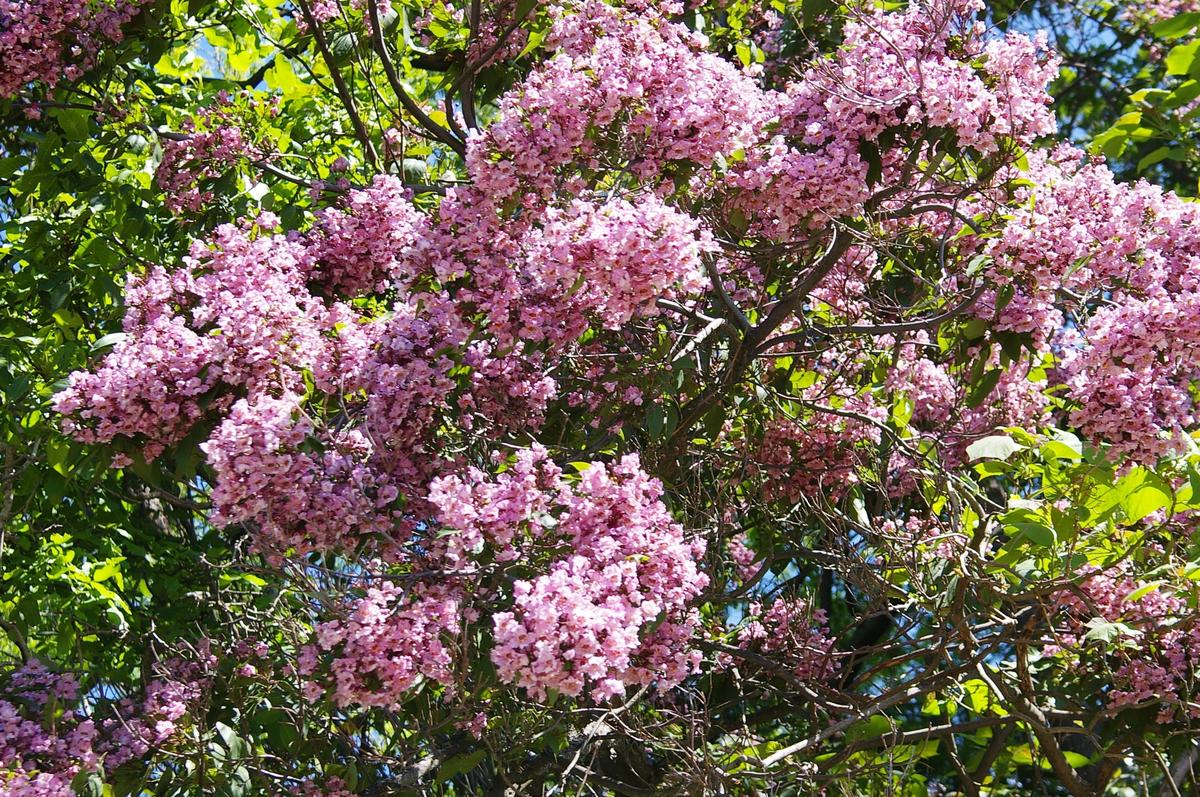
(874, 160)
(1055, 450)
(1111, 142)
(977, 695)
(258, 191)
(1129, 121)
(984, 387)
(902, 412)
(1076, 760)
(233, 742)
(1022, 755)
(1179, 60)
(107, 342)
(993, 468)
(1153, 157)
(1068, 439)
(1144, 502)
(656, 420)
(1182, 95)
(870, 728)
(1039, 534)
(283, 78)
(460, 764)
(974, 328)
(1176, 26)
(110, 569)
(1141, 493)
(74, 122)
(1149, 96)
(903, 753)
(58, 456)
(997, 446)
(714, 421)
(1143, 591)
(1107, 632)
(239, 782)
(743, 53)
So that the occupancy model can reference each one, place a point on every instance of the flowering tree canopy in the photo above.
(624, 397)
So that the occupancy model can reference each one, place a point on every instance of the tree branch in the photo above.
(339, 82)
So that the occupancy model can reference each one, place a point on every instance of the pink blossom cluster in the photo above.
(47, 41)
(393, 638)
(896, 71)
(238, 319)
(151, 390)
(323, 12)
(623, 256)
(333, 787)
(589, 621)
(409, 384)
(500, 513)
(351, 475)
(1017, 399)
(790, 630)
(1133, 251)
(928, 384)
(927, 532)
(1074, 226)
(153, 722)
(253, 653)
(210, 142)
(40, 761)
(46, 741)
(531, 276)
(236, 315)
(1160, 665)
(613, 611)
(1025, 313)
(1133, 375)
(327, 11)
(743, 556)
(609, 609)
(304, 489)
(914, 68)
(1104, 593)
(188, 162)
(818, 455)
(495, 39)
(1152, 11)
(367, 244)
(37, 684)
(624, 86)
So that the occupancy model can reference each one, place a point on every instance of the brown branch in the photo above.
(1038, 723)
(915, 325)
(750, 345)
(993, 751)
(343, 91)
(17, 638)
(379, 43)
(915, 688)
(472, 67)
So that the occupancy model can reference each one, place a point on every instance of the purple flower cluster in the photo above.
(47, 41)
